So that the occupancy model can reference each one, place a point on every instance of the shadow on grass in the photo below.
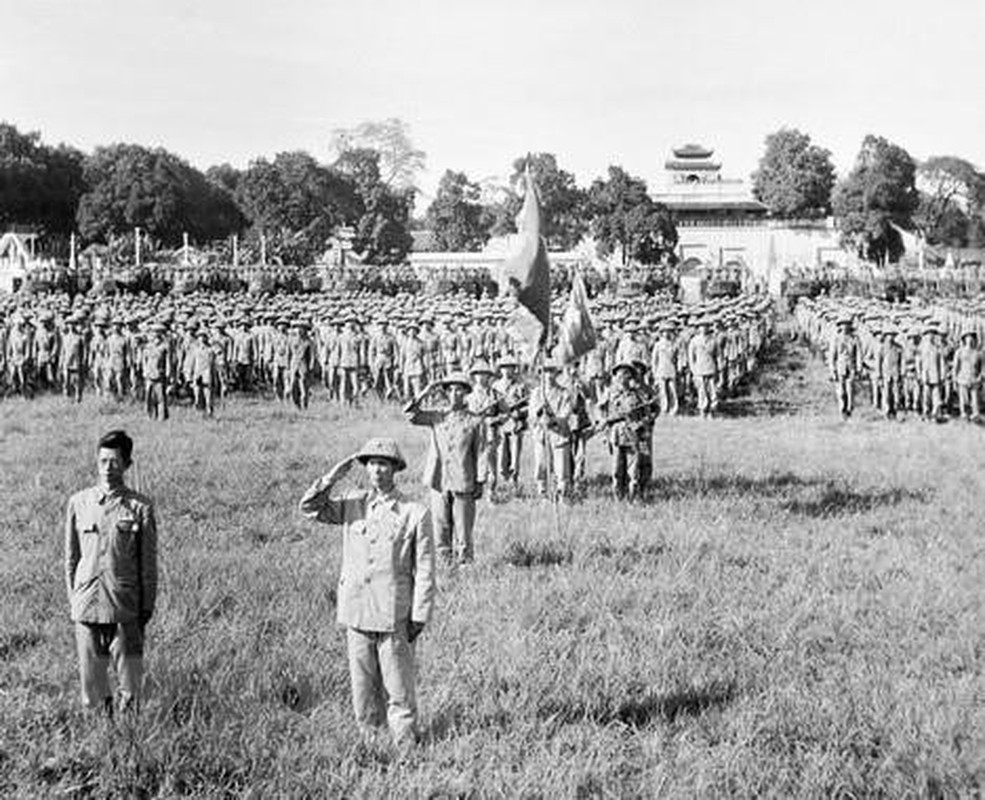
(451, 721)
(625, 558)
(13, 644)
(815, 498)
(684, 486)
(537, 554)
(640, 711)
(835, 501)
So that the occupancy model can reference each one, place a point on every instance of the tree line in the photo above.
(295, 202)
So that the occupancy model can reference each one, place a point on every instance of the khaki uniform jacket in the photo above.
(388, 573)
(110, 556)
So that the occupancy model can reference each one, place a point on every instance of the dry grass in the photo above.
(798, 611)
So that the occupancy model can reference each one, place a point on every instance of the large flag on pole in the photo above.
(527, 273)
(576, 334)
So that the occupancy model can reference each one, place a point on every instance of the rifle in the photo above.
(505, 415)
(635, 413)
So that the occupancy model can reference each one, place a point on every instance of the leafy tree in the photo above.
(564, 205)
(795, 177)
(625, 219)
(455, 217)
(953, 194)
(40, 186)
(296, 203)
(382, 213)
(880, 192)
(133, 186)
(400, 162)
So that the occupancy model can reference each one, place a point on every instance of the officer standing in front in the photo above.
(111, 576)
(387, 586)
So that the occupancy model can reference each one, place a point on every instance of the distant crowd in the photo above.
(922, 360)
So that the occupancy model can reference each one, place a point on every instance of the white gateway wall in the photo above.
(767, 247)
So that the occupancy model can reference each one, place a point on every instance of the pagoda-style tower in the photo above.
(695, 190)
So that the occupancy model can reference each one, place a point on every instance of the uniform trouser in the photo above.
(560, 466)
(510, 448)
(579, 445)
(892, 396)
(244, 377)
(204, 395)
(932, 399)
(350, 384)
(846, 394)
(97, 645)
(968, 400)
(297, 388)
(668, 396)
(454, 518)
(381, 672)
(625, 470)
(911, 389)
(707, 393)
(156, 399)
(115, 380)
(74, 384)
(488, 460)
(413, 386)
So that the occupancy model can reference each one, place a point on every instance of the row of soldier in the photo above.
(695, 357)
(923, 360)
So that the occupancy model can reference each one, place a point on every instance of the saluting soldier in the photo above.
(451, 465)
(386, 588)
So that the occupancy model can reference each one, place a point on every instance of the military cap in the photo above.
(480, 367)
(457, 379)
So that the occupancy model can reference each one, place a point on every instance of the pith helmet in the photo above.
(458, 379)
(382, 448)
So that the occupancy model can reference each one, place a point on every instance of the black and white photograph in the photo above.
(542, 399)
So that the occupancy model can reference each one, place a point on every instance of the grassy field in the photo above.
(798, 611)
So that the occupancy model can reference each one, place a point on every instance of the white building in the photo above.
(16, 258)
(720, 223)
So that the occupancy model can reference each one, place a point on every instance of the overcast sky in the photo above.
(595, 82)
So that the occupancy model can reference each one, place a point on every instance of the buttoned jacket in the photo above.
(110, 556)
(388, 572)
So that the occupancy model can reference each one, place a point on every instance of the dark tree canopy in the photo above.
(40, 185)
(132, 186)
(795, 177)
(455, 217)
(878, 194)
(626, 220)
(382, 219)
(563, 204)
(952, 199)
